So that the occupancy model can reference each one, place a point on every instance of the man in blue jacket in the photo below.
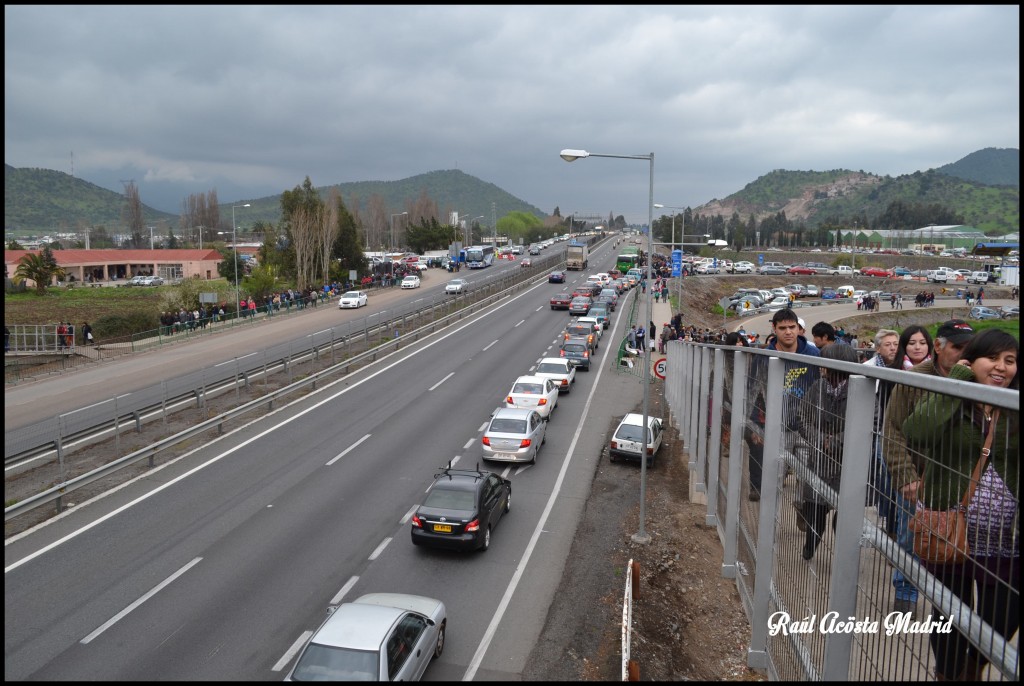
(798, 378)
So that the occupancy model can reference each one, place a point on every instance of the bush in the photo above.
(123, 325)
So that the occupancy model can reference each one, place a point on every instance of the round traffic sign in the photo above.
(660, 367)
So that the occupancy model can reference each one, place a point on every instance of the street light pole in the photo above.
(391, 261)
(234, 243)
(570, 155)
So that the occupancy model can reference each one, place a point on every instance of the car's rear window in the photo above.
(629, 432)
(449, 499)
(528, 388)
(508, 426)
(574, 347)
(551, 368)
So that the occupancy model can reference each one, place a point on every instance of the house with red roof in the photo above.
(99, 266)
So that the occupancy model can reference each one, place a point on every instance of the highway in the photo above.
(216, 566)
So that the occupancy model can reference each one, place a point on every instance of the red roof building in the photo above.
(97, 266)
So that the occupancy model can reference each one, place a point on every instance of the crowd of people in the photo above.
(924, 447)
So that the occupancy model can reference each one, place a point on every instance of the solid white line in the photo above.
(344, 590)
(290, 653)
(236, 359)
(441, 381)
(310, 335)
(380, 548)
(488, 346)
(152, 592)
(347, 450)
(88, 406)
(499, 613)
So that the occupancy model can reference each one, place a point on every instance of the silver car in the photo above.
(513, 435)
(379, 637)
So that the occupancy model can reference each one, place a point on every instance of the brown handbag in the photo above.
(940, 536)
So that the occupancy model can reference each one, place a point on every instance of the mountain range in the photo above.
(983, 188)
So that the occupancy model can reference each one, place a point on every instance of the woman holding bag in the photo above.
(951, 433)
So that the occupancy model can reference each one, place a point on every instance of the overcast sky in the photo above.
(250, 100)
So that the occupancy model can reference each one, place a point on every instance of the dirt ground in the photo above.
(688, 623)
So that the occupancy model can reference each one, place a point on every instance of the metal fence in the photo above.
(827, 583)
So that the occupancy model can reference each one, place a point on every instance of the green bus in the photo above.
(628, 259)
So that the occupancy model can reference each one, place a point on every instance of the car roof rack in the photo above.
(448, 471)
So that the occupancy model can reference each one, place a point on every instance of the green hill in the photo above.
(46, 200)
(43, 200)
(814, 197)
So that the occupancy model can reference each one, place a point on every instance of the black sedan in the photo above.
(460, 510)
(556, 277)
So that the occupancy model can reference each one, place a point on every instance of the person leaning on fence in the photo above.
(822, 425)
(950, 432)
(904, 464)
(797, 378)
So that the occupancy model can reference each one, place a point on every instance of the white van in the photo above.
(979, 278)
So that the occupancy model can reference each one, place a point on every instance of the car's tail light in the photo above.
(417, 522)
(650, 450)
(586, 353)
(525, 443)
(561, 353)
(486, 440)
(615, 445)
(564, 382)
(542, 401)
(473, 525)
(510, 400)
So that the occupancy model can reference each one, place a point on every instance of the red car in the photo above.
(561, 301)
(801, 269)
(876, 271)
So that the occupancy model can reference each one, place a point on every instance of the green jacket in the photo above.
(947, 431)
(903, 464)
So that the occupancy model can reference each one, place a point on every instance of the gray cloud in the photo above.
(251, 100)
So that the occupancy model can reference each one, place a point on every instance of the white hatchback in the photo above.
(534, 393)
(411, 281)
(627, 442)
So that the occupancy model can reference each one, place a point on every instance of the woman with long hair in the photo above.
(951, 433)
(915, 347)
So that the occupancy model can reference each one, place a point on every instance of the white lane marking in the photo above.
(450, 375)
(310, 335)
(88, 406)
(290, 653)
(499, 613)
(347, 450)
(229, 451)
(472, 441)
(520, 322)
(380, 549)
(408, 515)
(344, 590)
(152, 592)
(488, 346)
(236, 359)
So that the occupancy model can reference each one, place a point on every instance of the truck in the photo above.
(941, 275)
(577, 257)
(1009, 276)
(842, 270)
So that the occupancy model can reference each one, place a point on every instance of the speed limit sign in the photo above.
(660, 366)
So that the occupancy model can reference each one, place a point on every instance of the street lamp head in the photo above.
(572, 155)
(659, 205)
(246, 205)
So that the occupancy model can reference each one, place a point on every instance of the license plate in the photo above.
(443, 528)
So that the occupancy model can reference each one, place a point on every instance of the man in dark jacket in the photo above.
(798, 378)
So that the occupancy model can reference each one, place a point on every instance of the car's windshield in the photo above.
(351, 294)
(327, 663)
(449, 499)
(551, 368)
(528, 388)
(508, 426)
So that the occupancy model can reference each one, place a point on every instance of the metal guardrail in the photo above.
(57, 492)
(48, 439)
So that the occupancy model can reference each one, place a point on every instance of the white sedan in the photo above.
(533, 393)
(559, 371)
(411, 281)
(352, 299)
